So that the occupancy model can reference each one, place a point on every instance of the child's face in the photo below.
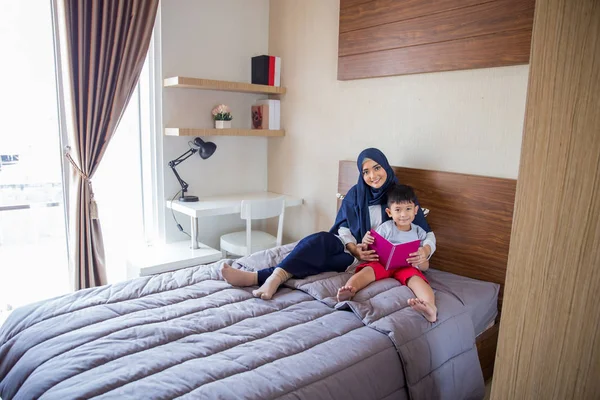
(403, 214)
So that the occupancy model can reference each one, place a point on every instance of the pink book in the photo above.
(393, 256)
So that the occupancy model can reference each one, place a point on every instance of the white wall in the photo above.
(212, 39)
(464, 121)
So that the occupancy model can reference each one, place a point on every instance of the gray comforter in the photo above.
(188, 334)
(440, 360)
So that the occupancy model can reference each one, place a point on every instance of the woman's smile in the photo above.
(375, 181)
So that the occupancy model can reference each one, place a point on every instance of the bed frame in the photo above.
(472, 218)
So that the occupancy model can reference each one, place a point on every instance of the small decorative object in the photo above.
(270, 114)
(260, 117)
(222, 116)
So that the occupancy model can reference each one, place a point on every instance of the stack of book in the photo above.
(266, 115)
(266, 70)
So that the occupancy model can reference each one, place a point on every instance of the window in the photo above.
(33, 245)
(119, 184)
(33, 234)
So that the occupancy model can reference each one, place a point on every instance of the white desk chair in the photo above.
(247, 242)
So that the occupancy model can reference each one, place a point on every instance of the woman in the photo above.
(362, 209)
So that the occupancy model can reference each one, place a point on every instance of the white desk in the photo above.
(222, 205)
(145, 260)
(150, 260)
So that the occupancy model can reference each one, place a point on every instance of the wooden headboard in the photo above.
(471, 216)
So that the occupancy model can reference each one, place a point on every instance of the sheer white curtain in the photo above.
(118, 184)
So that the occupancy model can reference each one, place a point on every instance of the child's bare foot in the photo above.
(427, 310)
(237, 277)
(345, 293)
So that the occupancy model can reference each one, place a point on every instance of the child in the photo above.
(402, 209)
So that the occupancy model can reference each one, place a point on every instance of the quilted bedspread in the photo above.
(188, 334)
(440, 360)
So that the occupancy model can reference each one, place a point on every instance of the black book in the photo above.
(260, 70)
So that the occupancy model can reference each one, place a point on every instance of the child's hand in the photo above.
(419, 258)
(368, 239)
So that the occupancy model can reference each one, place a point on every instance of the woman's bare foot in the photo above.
(345, 293)
(427, 310)
(237, 277)
(268, 289)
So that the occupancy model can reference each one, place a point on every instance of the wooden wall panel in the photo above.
(501, 49)
(385, 37)
(499, 16)
(549, 343)
(351, 3)
(379, 12)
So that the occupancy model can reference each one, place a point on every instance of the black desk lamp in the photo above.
(206, 149)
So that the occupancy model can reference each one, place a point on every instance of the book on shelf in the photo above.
(266, 114)
(393, 256)
(266, 70)
(273, 107)
(260, 117)
(277, 71)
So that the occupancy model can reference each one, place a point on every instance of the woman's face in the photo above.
(373, 174)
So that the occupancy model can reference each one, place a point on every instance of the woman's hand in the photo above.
(368, 239)
(362, 252)
(419, 259)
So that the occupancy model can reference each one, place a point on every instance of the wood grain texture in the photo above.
(387, 37)
(351, 3)
(549, 344)
(478, 20)
(365, 15)
(501, 49)
(471, 216)
(487, 344)
(227, 86)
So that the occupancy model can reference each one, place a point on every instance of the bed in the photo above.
(188, 334)
(471, 216)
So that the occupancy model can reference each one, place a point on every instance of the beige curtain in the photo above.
(106, 44)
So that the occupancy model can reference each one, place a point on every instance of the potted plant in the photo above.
(222, 116)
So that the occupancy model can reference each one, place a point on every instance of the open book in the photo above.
(393, 256)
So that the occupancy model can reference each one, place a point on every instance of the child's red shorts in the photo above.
(400, 274)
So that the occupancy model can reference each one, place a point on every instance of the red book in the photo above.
(271, 71)
(393, 256)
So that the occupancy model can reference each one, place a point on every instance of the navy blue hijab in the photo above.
(354, 212)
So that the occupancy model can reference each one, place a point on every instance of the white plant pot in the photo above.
(222, 124)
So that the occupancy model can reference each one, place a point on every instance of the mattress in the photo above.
(188, 334)
(480, 297)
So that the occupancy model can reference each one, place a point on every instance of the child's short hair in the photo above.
(400, 194)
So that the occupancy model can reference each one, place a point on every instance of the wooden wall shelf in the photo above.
(223, 132)
(209, 84)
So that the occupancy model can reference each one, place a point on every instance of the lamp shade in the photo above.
(205, 149)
